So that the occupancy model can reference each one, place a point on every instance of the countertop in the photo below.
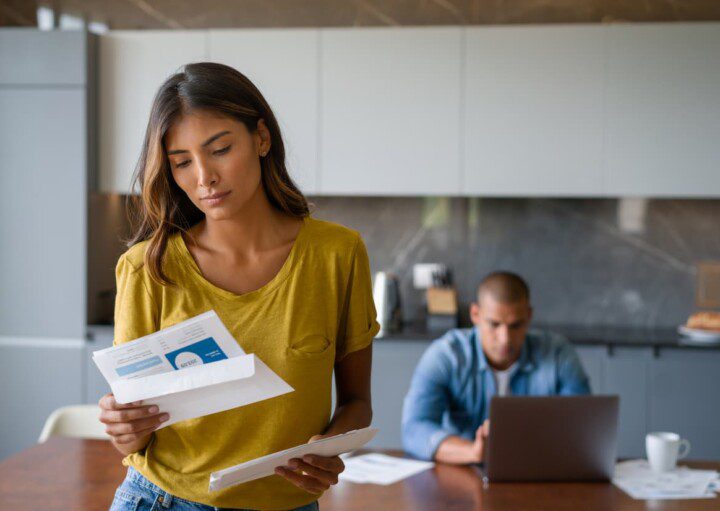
(583, 335)
(610, 336)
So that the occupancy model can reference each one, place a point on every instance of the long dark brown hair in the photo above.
(162, 208)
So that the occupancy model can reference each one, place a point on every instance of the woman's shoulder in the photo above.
(134, 257)
(333, 236)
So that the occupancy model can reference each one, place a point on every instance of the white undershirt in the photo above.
(502, 380)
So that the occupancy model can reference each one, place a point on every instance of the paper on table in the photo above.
(188, 370)
(265, 466)
(382, 469)
(636, 479)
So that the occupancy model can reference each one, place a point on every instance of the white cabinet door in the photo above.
(283, 64)
(133, 65)
(43, 208)
(39, 375)
(533, 122)
(663, 134)
(390, 111)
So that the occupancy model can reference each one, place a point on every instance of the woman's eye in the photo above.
(183, 163)
(222, 151)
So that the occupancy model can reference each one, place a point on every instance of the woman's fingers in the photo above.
(309, 484)
(331, 464)
(108, 402)
(126, 439)
(128, 414)
(324, 476)
(313, 473)
(117, 429)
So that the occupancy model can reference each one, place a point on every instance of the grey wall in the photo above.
(588, 262)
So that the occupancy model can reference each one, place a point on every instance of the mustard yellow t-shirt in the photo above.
(316, 310)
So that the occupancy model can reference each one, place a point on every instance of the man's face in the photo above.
(502, 328)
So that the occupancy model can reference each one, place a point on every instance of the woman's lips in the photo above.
(215, 199)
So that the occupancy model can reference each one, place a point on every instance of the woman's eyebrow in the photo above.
(208, 141)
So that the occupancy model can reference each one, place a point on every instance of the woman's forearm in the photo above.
(355, 414)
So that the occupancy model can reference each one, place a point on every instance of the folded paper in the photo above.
(265, 466)
(191, 369)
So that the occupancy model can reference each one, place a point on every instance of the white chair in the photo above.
(79, 421)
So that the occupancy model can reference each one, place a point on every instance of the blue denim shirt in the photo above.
(452, 385)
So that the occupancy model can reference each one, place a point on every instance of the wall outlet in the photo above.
(422, 274)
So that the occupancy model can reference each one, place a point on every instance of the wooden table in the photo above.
(82, 475)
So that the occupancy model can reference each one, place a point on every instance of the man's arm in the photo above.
(572, 379)
(461, 451)
(426, 402)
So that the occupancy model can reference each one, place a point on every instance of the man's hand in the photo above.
(461, 451)
(480, 440)
(312, 473)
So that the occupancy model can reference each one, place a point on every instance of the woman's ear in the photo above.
(264, 134)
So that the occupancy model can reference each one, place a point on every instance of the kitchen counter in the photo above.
(583, 335)
(610, 336)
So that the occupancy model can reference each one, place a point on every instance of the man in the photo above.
(446, 409)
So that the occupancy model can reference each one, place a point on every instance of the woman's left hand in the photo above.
(312, 473)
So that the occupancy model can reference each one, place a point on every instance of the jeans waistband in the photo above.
(165, 499)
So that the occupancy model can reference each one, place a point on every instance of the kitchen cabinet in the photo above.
(625, 374)
(663, 110)
(47, 158)
(533, 111)
(132, 66)
(592, 359)
(284, 65)
(29, 57)
(683, 388)
(390, 111)
(393, 366)
(38, 376)
(522, 111)
(94, 385)
(42, 212)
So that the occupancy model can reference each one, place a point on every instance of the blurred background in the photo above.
(575, 143)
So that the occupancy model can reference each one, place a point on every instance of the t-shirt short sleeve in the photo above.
(135, 309)
(358, 324)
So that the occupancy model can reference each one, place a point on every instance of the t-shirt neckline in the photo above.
(286, 269)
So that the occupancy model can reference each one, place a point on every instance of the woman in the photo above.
(222, 226)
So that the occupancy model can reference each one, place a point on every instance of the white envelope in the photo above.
(265, 466)
(188, 370)
(205, 389)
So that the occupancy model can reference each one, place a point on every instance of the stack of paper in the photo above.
(188, 370)
(636, 479)
(381, 469)
(265, 466)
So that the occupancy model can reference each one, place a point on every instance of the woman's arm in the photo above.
(352, 382)
(316, 474)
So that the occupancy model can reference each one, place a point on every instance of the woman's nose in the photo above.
(206, 176)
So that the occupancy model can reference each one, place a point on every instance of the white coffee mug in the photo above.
(665, 449)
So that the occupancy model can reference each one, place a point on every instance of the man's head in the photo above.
(502, 313)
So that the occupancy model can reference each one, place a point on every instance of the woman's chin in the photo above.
(217, 213)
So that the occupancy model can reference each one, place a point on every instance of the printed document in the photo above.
(190, 369)
(265, 466)
(636, 479)
(382, 469)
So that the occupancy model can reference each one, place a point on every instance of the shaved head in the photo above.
(504, 287)
(502, 314)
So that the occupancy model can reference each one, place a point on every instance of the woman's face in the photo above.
(215, 160)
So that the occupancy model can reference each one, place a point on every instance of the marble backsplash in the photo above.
(619, 262)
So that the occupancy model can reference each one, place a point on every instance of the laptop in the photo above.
(557, 438)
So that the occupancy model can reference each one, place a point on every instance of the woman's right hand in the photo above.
(131, 422)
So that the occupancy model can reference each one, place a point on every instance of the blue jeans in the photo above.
(136, 493)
